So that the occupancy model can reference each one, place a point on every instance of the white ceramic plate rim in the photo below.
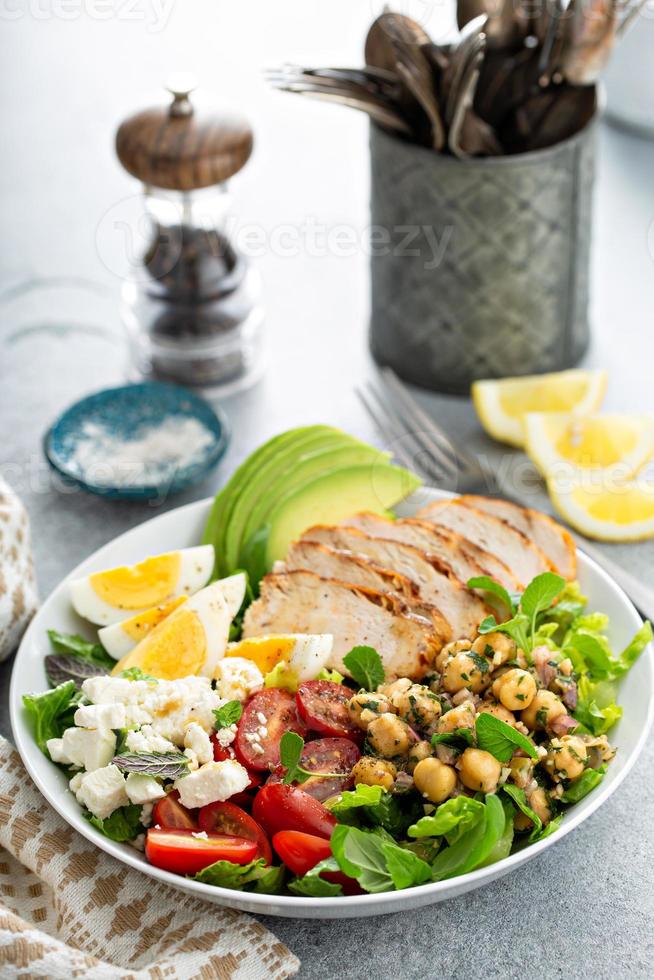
(289, 905)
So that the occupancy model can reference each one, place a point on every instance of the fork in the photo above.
(421, 444)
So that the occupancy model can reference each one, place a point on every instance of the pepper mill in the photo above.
(191, 304)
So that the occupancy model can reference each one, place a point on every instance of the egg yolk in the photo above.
(176, 648)
(265, 651)
(149, 583)
(139, 626)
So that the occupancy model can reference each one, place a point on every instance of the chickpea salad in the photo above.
(257, 766)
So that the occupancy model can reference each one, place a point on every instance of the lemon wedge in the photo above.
(556, 440)
(502, 405)
(605, 508)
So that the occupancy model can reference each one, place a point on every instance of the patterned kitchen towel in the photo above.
(68, 910)
(18, 599)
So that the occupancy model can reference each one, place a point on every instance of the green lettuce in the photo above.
(376, 861)
(51, 713)
(76, 646)
(255, 876)
(122, 825)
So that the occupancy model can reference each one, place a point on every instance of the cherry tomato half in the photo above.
(301, 852)
(183, 854)
(325, 755)
(225, 818)
(169, 813)
(280, 807)
(323, 706)
(278, 709)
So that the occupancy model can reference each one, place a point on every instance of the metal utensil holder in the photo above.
(479, 267)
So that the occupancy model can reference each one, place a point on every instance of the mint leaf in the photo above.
(496, 589)
(122, 825)
(290, 753)
(51, 713)
(365, 667)
(228, 714)
(77, 646)
(61, 667)
(589, 779)
(461, 812)
(500, 739)
(136, 674)
(165, 765)
(458, 738)
(517, 628)
(257, 874)
(540, 594)
(313, 885)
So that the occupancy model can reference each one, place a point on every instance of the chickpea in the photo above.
(479, 770)
(566, 758)
(374, 772)
(516, 689)
(418, 752)
(543, 710)
(417, 706)
(435, 780)
(462, 716)
(449, 650)
(497, 647)
(389, 736)
(464, 671)
(397, 687)
(364, 707)
(498, 711)
(540, 804)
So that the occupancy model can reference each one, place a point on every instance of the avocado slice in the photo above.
(310, 465)
(283, 462)
(331, 498)
(218, 521)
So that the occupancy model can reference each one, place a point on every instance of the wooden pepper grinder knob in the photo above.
(180, 147)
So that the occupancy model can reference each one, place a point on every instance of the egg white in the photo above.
(310, 654)
(118, 643)
(196, 566)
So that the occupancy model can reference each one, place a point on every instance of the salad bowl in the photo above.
(183, 528)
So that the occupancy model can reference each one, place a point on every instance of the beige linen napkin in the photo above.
(17, 586)
(68, 910)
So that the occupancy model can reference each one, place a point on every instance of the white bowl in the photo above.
(182, 528)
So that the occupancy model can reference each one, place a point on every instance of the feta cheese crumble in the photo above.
(237, 678)
(103, 791)
(212, 781)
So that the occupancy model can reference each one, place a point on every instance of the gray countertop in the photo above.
(585, 907)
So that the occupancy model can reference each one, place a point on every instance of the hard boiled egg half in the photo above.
(122, 637)
(286, 660)
(193, 638)
(120, 593)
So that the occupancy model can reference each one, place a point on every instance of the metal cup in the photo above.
(479, 267)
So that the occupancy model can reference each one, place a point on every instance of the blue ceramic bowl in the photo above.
(76, 445)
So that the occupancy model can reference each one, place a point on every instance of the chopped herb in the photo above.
(228, 714)
(365, 666)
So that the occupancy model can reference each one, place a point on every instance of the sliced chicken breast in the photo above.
(436, 585)
(546, 534)
(459, 555)
(359, 570)
(497, 538)
(302, 602)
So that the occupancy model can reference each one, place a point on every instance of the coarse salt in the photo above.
(152, 456)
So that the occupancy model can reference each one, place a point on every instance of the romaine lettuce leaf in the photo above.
(376, 861)
(458, 813)
(255, 876)
(122, 825)
(313, 885)
(589, 779)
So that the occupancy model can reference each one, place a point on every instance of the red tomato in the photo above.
(225, 818)
(280, 807)
(301, 852)
(323, 706)
(325, 755)
(169, 813)
(183, 854)
(278, 709)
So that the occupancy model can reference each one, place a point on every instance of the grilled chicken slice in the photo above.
(497, 538)
(546, 534)
(463, 557)
(302, 602)
(434, 582)
(358, 570)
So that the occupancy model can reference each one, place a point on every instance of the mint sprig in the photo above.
(365, 667)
